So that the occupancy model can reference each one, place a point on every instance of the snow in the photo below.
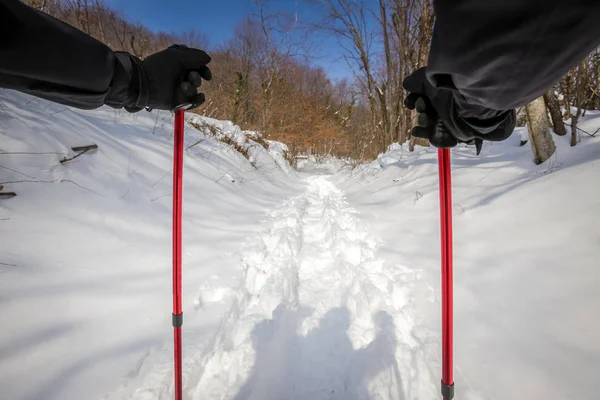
(85, 286)
(527, 246)
(316, 297)
(317, 284)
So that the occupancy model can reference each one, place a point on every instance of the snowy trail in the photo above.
(312, 305)
(319, 315)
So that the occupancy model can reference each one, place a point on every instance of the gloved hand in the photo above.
(169, 79)
(446, 119)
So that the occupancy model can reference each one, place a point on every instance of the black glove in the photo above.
(446, 119)
(168, 80)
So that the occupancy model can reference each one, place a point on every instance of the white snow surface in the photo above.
(317, 284)
(85, 279)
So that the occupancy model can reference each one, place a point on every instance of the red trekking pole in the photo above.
(177, 210)
(446, 236)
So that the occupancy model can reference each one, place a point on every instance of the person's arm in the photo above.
(48, 58)
(489, 57)
(502, 54)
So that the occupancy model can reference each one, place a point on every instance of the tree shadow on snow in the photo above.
(323, 364)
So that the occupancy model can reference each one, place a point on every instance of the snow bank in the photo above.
(85, 287)
(265, 156)
(279, 152)
(527, 251)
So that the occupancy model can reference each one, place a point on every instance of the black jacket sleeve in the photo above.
(48, 58)
(502, 54)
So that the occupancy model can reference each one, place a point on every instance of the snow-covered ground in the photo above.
(318, 284)
(527, 260)
(85, 273)
(320, 316)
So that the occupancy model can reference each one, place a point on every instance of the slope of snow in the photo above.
(527, 257)
(322, 284)
(85, 284)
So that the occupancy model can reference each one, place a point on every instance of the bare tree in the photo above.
(581, 98)
(39, 4)
(80, 10)
(276, 46)
(554, 107)
(120, 29)
(403, 31)
(347, 19)
(243, 47)
(422, 30)
(192, 38)
(539, 131)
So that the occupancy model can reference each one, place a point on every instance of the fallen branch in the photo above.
(461, 207)
(135, 170)
(224, 175)
(81, 150)
(30, 153)
(156, 183)
(194, 144)
(17, 172)
(9, 265)
(418, 195)
(161, 196)
(85, 148)
(54, 181)
(78, 185)
(26, 181)
(589, 134)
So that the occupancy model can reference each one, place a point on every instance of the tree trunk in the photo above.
(413, 141)
(424, 39)
(554, 108)
(100, 15)
(539, 131)
(574, 121)
(567, 96)
(419, 141)
(580, 95)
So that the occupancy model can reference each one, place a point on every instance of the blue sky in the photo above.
(217, 19)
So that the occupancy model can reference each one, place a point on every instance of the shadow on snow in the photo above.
(323, 364)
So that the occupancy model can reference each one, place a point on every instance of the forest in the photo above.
(266, 80)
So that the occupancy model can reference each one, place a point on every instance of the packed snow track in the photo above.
(318, 315)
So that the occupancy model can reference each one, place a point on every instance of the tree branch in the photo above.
(589, 134)
(17, 172)
(8, 265)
